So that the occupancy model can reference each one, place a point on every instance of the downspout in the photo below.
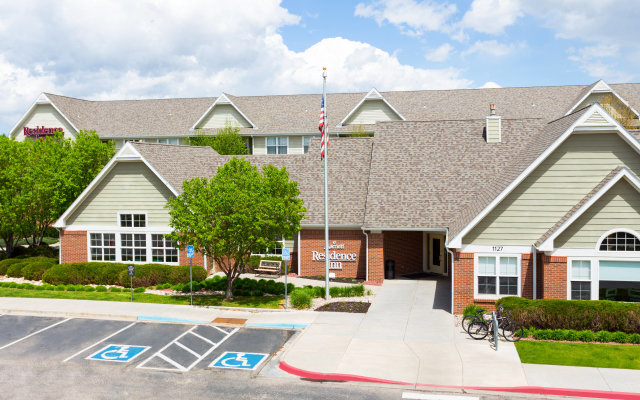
(299, 266)
(366, 263)
(535, 272)
(446, 246)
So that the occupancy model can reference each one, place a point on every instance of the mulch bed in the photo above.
(346, 306)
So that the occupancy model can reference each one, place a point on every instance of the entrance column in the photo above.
(376, 258)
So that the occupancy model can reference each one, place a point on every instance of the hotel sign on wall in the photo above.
(40, 131)
(336, 258)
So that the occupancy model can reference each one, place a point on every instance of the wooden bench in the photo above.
(268, 267)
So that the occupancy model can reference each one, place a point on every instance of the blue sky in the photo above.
(118, 49)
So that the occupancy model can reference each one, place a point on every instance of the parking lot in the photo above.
(138, 345)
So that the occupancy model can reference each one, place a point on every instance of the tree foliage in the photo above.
(40, 178)
(235, 213)
(227, 141)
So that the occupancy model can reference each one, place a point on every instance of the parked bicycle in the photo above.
(480, 325)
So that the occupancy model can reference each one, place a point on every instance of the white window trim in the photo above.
(629, 231)
(277, 146)
(118, 233)
(167, 139)
(496, 296)
(146, 219)
(303, 139)
(594, 273)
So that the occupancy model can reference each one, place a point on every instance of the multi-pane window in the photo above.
(305, 143)
(498, 275)
(102, 246)
(133, 246)
(133, 220)
(580, 280)
(169, 141)
(620, 241)
(162, 249)
(277, 144)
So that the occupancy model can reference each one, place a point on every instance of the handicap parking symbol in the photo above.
(237, 360)
(118, 353)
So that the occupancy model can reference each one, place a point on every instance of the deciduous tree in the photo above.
(227, 141)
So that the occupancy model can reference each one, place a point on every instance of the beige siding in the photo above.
(559, 183)
(295, 145)
(372, 111)
(223, 115)
(493, 130)
(618, 208)
(47, 116)
(259, 145)
(289, 244)
(595, 118)
(129, 186)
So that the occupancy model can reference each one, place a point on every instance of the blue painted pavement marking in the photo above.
(237, 360)
(170, 319)
(278, 325)
(118, 353)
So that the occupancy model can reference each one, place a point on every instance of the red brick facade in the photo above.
(463, 281)
(554, 277)
(376, 258)
(73, 246)
(198, 259)
(405, 248)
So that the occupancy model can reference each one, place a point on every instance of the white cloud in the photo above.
(440, 54)
(490, 85)
(491, 16)
(154, 49)
(410, 16)
(489, 47)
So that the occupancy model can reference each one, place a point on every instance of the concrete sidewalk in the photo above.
(405, 337)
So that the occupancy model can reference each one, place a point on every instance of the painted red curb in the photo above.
(594, 394)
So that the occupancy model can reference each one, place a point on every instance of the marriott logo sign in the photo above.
(40, 131)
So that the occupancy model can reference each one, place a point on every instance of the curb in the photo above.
(586, 393)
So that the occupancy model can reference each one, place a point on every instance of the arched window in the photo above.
(620, 241)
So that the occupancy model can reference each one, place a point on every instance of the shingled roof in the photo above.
(348, 174)
(299, 113)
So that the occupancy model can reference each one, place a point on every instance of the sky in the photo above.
(135, 49)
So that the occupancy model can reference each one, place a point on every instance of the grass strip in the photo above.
(239, 301)
(579, 354)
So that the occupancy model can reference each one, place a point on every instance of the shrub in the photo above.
(300, 299)
(593, 315)
(15, 270)
(634, 338)
(101, 288)
(586, 336)
(47, 287)
(139, 290)
(155, 274)
(603, 336)
(572, 336)
(115, 289)
(34, 270)
(542, 334)
(13, 285)
(619, 337)
(39, 287)
(70, 288)
(4, 264)
(558, 334)
(27, 286)
(89, 289)
(59, 288)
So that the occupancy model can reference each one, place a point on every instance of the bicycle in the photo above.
(482, 324)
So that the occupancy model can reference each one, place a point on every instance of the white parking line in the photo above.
(199, 357)
(97, 343)
(34, 333)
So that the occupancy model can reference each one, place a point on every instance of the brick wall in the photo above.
(354, 242)
(463, 281)
(554, 277)
(405, 248)
(376, 258)
(73, 246)
(527, 276)
(198, 259)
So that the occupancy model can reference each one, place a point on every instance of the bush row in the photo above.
(68, 288)
(30, 268)
(579, 315)
(241, 286)
(302, 297)
(104, 273)
(583, 336)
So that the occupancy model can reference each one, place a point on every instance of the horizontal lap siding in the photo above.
(223, 115)
(372, 111)
(559, 183)
(129, 186)
(47, 116)
(618, 208)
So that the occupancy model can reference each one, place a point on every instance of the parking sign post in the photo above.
(131, 270)
(190, 254)
(286, 256)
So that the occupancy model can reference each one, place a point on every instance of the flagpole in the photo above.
(326, 185)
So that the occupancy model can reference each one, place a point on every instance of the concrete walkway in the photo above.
(407, 336)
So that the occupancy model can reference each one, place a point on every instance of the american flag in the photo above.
(322, 126)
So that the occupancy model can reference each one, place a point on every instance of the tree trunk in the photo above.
(229, 294)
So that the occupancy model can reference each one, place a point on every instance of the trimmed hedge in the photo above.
(30, 268)
(5, 264)
(592, 315)
(583, 336)
(103, 273)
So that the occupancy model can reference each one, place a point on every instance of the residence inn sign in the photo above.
(335, 258)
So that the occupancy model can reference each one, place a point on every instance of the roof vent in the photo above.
(493, 126)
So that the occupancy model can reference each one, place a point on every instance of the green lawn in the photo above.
(579, 354)
(248, 301)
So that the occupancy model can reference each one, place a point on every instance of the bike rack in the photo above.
(495, 329)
